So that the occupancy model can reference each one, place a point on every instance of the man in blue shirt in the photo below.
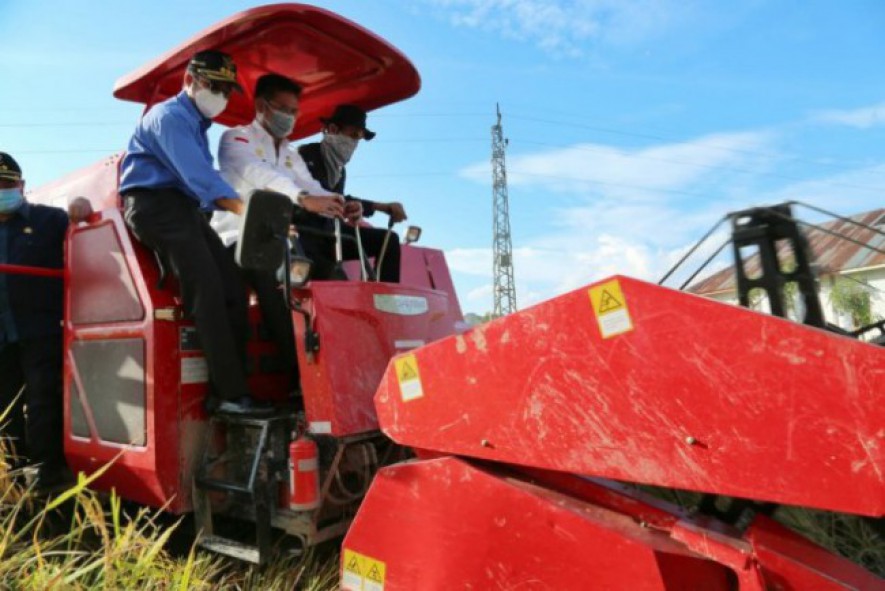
(167, 182)
(31, 235)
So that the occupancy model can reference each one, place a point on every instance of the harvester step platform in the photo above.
(242, 459)
(231, 548)
(221, 486)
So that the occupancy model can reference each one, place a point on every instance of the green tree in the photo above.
(854, 298)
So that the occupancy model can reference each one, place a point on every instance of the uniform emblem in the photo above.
(288, 162)
(260, 152)
(28, 230)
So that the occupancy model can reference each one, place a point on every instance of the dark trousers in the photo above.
(36, 366)
(321, 250)
(276, 317)
(169, 222)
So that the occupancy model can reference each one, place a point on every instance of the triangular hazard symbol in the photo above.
(374, 574)
(353, 566)
(407, 372)
(608, 302)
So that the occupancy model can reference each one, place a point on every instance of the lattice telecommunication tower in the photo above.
(504, 286)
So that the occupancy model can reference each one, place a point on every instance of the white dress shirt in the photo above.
(250, 161)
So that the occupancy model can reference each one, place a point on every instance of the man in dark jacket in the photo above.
(32, 235)
(326, 161)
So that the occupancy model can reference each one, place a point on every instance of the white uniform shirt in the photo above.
(249, 161)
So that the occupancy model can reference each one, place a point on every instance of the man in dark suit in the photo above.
(326, 160)
(32, 235)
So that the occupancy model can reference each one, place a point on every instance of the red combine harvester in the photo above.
(525, 428)
(135, 376)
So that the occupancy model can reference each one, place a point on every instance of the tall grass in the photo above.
(850, 536)
(856, 538)
(75, 541)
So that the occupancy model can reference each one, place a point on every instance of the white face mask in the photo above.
(209, 103)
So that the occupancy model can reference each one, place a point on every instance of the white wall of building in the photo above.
(875, 278)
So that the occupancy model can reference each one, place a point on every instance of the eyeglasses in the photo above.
(217, 87)
(351, 131)
(275, 107)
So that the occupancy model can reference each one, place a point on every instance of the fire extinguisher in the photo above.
(304, 477)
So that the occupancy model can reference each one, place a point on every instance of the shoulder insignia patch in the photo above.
(241, 139)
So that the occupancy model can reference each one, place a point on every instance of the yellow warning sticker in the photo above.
(408, 377)
(610, 308)
(362, 573)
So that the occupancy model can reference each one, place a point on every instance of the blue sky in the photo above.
(633, 125)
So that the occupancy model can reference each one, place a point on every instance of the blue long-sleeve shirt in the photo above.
(169, 149)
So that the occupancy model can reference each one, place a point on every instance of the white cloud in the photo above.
(862, 118)
(630, 211)
(566, 27)
(548, 269)
(846, 193)
(610, 210)
(480, 294)
(472, 261)
(645, 173)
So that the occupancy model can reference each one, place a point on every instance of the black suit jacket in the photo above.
(313, 158)
(35, 237)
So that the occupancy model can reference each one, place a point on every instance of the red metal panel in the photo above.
(150, 474)
(441, 279)
(101, 289)
(361, 326)
(445, 524)
(334, 59)
(414, 267)
(96, 182)
(685, 392)
(32, 271)
(427, 267)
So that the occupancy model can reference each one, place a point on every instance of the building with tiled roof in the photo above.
(836, 259)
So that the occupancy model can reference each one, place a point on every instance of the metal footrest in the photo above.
(231, 548)
(246, 469)
(221, 486)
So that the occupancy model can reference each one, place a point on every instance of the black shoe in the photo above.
(244, 406)
(210, 404)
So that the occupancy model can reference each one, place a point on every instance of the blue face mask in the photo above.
(11, 199)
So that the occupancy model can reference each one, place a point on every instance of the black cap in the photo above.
(215, 65)
(349, 115)
(9, 168)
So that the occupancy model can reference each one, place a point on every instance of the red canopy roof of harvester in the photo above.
(334, 59)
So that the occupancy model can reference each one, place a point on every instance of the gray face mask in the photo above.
(279, 124)
(337, 150)
(342, 146)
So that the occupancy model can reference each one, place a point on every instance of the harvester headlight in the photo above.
(299, 270)
(412, 234)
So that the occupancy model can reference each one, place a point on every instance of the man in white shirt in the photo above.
(258, 156)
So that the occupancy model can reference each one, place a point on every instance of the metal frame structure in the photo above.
(784, 256)
(502, 250)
